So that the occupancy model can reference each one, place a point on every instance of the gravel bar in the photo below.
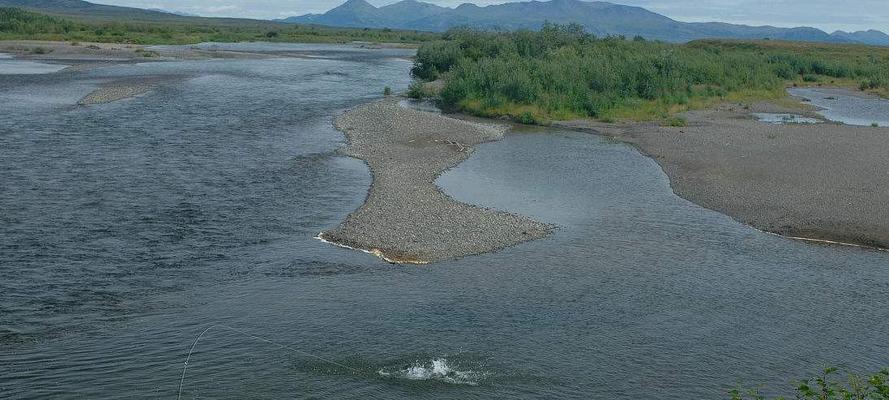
(824, 182)
(406, 218)
(115, 92)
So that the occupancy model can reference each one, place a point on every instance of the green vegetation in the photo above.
(19, 24)
(417, 90)
(824, 387)
(147, 53)
(387, 91)
(40, 50)
(562, 73)
(676, 122)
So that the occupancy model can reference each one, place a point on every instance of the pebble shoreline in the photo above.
(823, 183)
(406, 218)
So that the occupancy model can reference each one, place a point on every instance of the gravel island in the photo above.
(406, 218)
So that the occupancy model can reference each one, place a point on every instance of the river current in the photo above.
(131, 229)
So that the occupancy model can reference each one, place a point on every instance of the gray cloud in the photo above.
(829, 15)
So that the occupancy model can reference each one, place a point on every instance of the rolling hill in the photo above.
(80, 8)
(84, 10)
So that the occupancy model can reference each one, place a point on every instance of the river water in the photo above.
(131, 228)
(846, 106)
(12, 66)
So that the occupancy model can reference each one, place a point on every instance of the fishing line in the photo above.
(252, 336)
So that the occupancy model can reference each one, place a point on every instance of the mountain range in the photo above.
(600, 18)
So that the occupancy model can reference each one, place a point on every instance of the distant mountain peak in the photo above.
(599, 17)
(357, 3)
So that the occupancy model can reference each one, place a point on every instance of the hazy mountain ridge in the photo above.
(601, 18)
(90, 11)
(871, 36)
(85, 9)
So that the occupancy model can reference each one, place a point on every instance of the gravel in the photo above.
(126, 88)
(406, 218)
(114, 92)
(826, 181)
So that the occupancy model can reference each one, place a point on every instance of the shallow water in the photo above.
(845, 106)
(131, 228)
(13, 66)
(774, 118)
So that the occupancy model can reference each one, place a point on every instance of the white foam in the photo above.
(375, 252)
(437, 369)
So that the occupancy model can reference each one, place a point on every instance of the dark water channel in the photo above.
(130, 228)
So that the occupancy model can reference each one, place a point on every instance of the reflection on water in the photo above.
(774, 118)
(130, 228)
(852, 108)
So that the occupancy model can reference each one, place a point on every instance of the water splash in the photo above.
(438, 369)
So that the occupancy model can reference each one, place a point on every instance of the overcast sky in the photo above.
(828, 15)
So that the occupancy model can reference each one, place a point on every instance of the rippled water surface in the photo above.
(846, 106)
(12, 66)
(131, 228)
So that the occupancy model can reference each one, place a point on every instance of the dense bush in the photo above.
(563, 72)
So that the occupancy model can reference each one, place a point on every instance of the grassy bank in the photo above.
(561, 73)
(16, 24)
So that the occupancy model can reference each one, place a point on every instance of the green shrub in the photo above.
(527, 118)
(677, 122)
(873, 83)
(387, 91)
(416, 90)
(434, 58)
(564, 72)
(825, 387)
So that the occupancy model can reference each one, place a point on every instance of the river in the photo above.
(133, 228)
